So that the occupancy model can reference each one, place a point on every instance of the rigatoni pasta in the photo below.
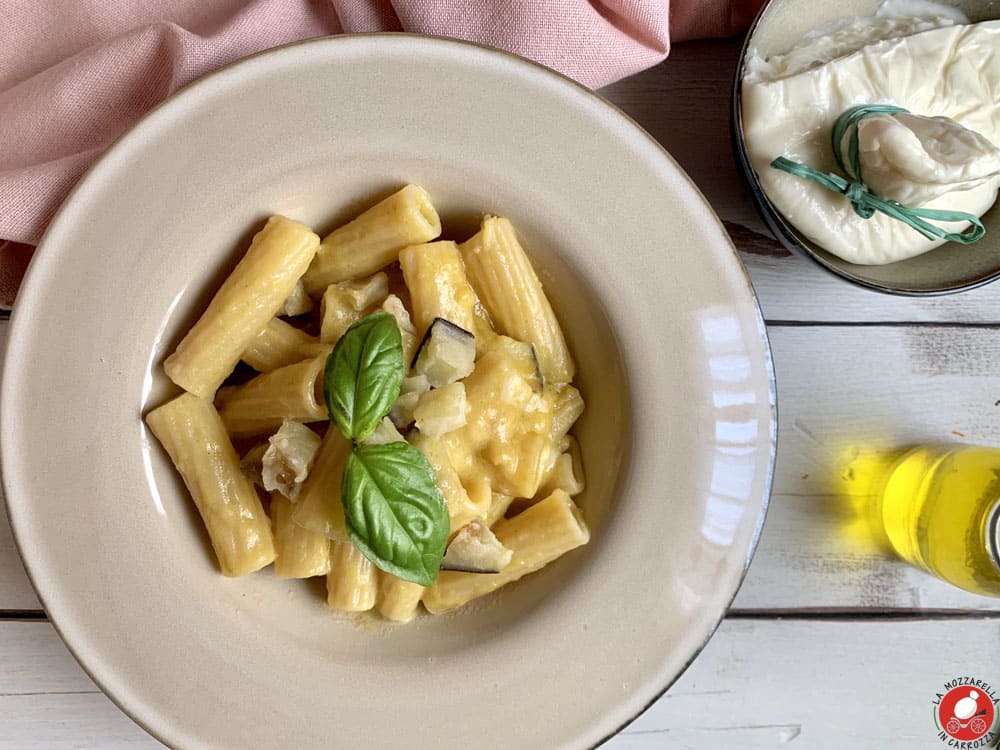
(512, 294)
(252, 295)
(192, 433)
(293, 392)
(542, 533)
(461, 508)
(484, 394)
(352, 583)
(319, 508)
(435, 276)
(279, 344)
(398, 600)
(300, 553)
(373, 240)
(347, 302)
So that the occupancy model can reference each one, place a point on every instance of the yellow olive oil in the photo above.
(940, 506)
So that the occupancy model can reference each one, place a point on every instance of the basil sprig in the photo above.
(393, 509)
(363, 375)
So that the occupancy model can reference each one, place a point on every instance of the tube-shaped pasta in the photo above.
(352, 583)
(318, 507)
(461, 508)
(498, 507)
(298, 302)
(398, 599)
(373, 240)
(301, 553)
(346, 302)
(509, 288)
(566, 473)
(252, 295)
(193, 435)
(259, 406)
(280, 344)
(539, 535)
(480, 495)
(567, 406)
(435, 276)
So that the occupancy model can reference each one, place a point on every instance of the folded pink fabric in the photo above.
(75, 75)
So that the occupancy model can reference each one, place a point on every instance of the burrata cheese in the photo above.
(932, 67)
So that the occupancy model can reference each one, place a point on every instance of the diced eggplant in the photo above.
(441, 410)
(288, 458)
(475, 549)
(447, 353)
(385, 432)
(395, 307)
(410, 391)
(524, 355)
(251, 464)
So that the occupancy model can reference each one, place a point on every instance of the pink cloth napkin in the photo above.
(75, 74)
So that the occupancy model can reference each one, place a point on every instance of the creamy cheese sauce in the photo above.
(929, 65)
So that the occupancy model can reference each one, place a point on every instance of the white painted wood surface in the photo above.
(758, 684)
(804, 658)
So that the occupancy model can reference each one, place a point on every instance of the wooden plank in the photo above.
(76, 721)
(758, 684)
(47, 701)
(845, 393)
(864, 684)
(684, 103)
(792, 288)
(15, 590)
(842, 390)
(34, 661)
(804, 563)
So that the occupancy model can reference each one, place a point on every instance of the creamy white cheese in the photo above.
(836, 40)
(926, 8)
(913, 160)
(947, 70)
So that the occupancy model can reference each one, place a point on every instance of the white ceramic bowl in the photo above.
(678, 437)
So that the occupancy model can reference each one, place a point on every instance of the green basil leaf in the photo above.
(363, 375)
(394, 511)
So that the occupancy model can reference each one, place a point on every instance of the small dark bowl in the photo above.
(944, 270)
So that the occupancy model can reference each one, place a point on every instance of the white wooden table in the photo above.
(830, 643)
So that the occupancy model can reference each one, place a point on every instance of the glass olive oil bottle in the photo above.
(940, 506)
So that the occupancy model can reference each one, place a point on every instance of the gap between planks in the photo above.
(829, 614)
(986, 325)
(23, 615)
(822, 614)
